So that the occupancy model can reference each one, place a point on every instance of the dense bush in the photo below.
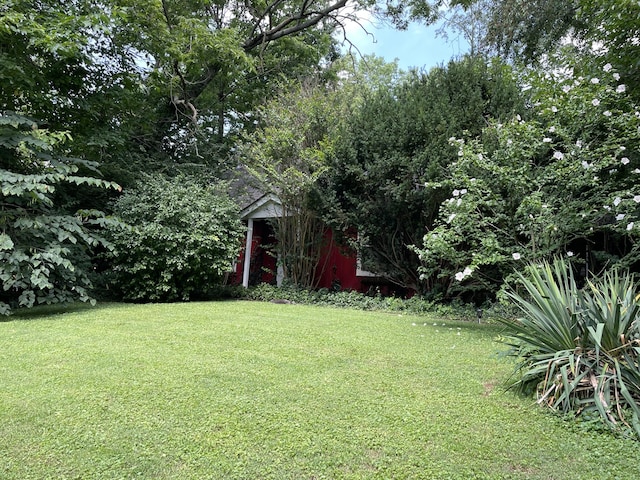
(579, 348)
(182, 237)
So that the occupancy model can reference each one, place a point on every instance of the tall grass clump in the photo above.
(578, 349)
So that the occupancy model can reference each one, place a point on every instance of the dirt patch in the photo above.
(489, 387)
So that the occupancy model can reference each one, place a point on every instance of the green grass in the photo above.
(256, 390)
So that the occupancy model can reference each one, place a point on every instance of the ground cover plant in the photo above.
(258, 390)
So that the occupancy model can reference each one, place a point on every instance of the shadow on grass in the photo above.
(45, 311)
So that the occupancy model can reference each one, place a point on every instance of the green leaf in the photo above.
(5, 242)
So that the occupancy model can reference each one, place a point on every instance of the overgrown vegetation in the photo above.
(287, 157)
(559, 179)
(395, 141)
(578, 349)
(432, 175)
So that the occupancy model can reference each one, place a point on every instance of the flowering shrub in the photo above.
(560, 179)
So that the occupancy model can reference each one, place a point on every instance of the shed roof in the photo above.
(266, 206)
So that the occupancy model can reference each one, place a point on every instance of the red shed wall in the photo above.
(336, 269)
(339, 264)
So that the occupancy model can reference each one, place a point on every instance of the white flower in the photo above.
(552, 129)
(566, 89)
(579, 143)
(585, 165)
(546, 140)
(620, 216)
(451, 217)
(463, 191)
(452, 139)
(607, 67)
(617, 201)
(558, 155)
(607, 207)
(606, 113)
(515, 255)
(518, 117)
(621, 88)
(637, 170)
(624, 160)
(616, 76)
(595, 81)
(569, 253)
(622, 148)
(479, 156)
(629, 226)
(459, 202)
(462, 275)
(595, 102)
(554, 109)
(636, 198)
(456, 193)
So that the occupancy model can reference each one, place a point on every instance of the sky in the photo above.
(419, 46)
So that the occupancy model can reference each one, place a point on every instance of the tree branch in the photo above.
(302, 20)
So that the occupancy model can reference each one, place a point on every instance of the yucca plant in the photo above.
(578, 349)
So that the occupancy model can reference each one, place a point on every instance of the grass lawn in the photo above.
(240, 390)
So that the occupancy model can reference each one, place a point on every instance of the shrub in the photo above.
(182, 237)
(579, 348)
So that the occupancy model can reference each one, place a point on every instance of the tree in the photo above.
(181, 237)
(288, 155)
(168, 84)
(211, 63)
(527, 30)
(395, 142)
(43, 248)
(472, 23)
(62, 67)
